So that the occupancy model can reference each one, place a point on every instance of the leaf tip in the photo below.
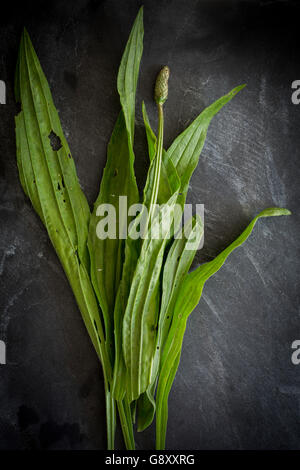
(140, 14)
(274, 212)
(25, 35)
(237, 89)
(285, 212)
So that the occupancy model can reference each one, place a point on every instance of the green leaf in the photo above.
(162, 404)
(142, 301)
(198, 277)
(48, 176)
(118, 180)
(168, 175)
(178, 262)
(107, 254)
(151, 137)
(141, 312)
(132, 253)
(128, 73)
(40, 120)
(188, 297)
(146, 407)
(126, 423)
(186, 148)
(176, 266)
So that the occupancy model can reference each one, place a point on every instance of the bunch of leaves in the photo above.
(134, 295)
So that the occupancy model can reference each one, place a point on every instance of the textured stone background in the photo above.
(236, 387)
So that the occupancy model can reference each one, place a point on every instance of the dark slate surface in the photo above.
(236, 387)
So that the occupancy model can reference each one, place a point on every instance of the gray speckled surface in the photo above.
(236, 387)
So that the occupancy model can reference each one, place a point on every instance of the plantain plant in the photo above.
(134, 294)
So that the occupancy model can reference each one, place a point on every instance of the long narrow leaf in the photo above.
(48, 176)
(186, 148)
(177, 264)
(50, 180)
(128, 73)
(118, 181)
(140, 317)
(132, 253)
(188, 297)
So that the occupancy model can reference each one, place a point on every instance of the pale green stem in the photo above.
(110, 417)
(126, 423)
(158, 160)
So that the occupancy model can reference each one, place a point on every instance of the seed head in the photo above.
(161, 85)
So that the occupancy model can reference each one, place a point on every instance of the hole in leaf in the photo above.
(58, 186)
(76, 253)
(62, 182)
(55, 141)
(116, 172)
(69, 155)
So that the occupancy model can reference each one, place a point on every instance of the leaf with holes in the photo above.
(48, 175)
